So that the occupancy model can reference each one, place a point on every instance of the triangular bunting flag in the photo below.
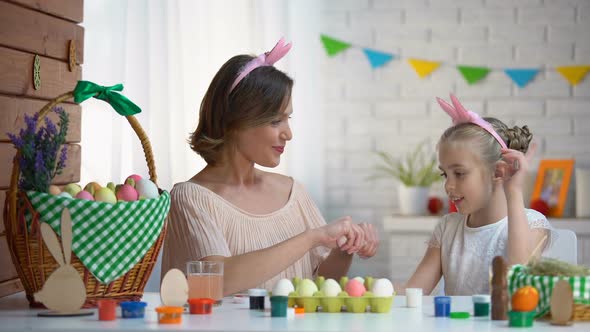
(573, 74)
(376, 58)
(422, 67)
(473, 74)
(521, 77)
(333, 46)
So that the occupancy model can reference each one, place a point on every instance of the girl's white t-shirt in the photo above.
(467, 253)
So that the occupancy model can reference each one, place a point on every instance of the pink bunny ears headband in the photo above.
(460, 114)
(264, 59)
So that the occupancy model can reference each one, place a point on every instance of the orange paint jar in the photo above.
(201, 306)
(107, 309)
(169, 315)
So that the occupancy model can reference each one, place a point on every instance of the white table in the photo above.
(16, 316)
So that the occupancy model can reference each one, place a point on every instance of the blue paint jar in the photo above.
(133, 309)
(442, 306)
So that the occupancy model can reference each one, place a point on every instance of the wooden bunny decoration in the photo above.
(562, 303)
(64, 290)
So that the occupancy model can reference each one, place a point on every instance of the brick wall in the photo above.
(390, 108)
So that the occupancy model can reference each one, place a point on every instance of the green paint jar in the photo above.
(278, 306)
(481, 305)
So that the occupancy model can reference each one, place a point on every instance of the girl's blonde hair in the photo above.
(484, 143)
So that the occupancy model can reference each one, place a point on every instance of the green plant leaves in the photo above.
(416, 169)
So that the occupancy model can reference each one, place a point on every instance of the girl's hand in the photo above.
(516, 169)
(342, 233)
(369, 249)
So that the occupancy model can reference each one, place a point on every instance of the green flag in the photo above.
(473, 74)
(333, 46)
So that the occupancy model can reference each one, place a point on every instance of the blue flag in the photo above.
(521, 77)
(376, 58)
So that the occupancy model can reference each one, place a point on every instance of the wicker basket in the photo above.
(33, 261)
(518, 276)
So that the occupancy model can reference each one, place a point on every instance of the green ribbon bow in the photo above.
(123, 106)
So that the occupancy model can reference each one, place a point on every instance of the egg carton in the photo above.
(342, 303)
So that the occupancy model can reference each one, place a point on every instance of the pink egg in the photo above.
(135, 177)
(127, 193)
(355, 288)
(85, 195)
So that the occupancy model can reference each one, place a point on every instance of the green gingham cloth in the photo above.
(518, 277)
(108, 238)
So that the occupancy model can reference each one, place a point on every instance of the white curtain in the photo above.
(166, 53)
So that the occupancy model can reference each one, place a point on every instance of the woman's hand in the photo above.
(342, 233)
(516, 170)
(371, 244)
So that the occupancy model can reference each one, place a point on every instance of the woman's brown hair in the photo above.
(257, 100)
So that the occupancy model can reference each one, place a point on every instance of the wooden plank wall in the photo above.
(29, 28)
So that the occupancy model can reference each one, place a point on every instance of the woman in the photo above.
(262, 225)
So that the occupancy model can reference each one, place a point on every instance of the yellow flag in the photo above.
(573, 74)
(422, 67)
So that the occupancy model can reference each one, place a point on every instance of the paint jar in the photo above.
(414, 297)
(257, 298)
(481, 305)
(291, 312)
(278, 306)
(107, 309)
(201, 306)
(132, 309)
(442, 306)
(169, 315)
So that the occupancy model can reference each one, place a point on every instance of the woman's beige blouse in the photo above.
(202, 223)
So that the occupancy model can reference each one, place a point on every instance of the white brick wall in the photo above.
(391, 108)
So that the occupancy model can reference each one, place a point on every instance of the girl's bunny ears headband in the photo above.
(264, 59)
(460, 114)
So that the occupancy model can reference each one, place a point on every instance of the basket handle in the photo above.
(10, 215)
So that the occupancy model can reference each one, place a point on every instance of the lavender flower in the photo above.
(39, 148)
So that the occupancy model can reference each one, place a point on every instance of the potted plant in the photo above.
(416, 173)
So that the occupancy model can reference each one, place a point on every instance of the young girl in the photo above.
(484, 166)
(262, 225)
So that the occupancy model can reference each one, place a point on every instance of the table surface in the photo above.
(230, 316)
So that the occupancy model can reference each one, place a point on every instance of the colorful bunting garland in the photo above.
(520, 76)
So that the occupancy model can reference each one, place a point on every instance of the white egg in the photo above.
(146, 188)
(283, 287)
(331, 287)
(382, 288)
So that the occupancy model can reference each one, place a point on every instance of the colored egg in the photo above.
(331, 288)
(105, 195)
(85, 195)
(355, 288)
(307, 287)
(54, 190)
(127, 193)
(135, 178)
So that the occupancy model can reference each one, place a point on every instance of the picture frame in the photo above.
(552, 184)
